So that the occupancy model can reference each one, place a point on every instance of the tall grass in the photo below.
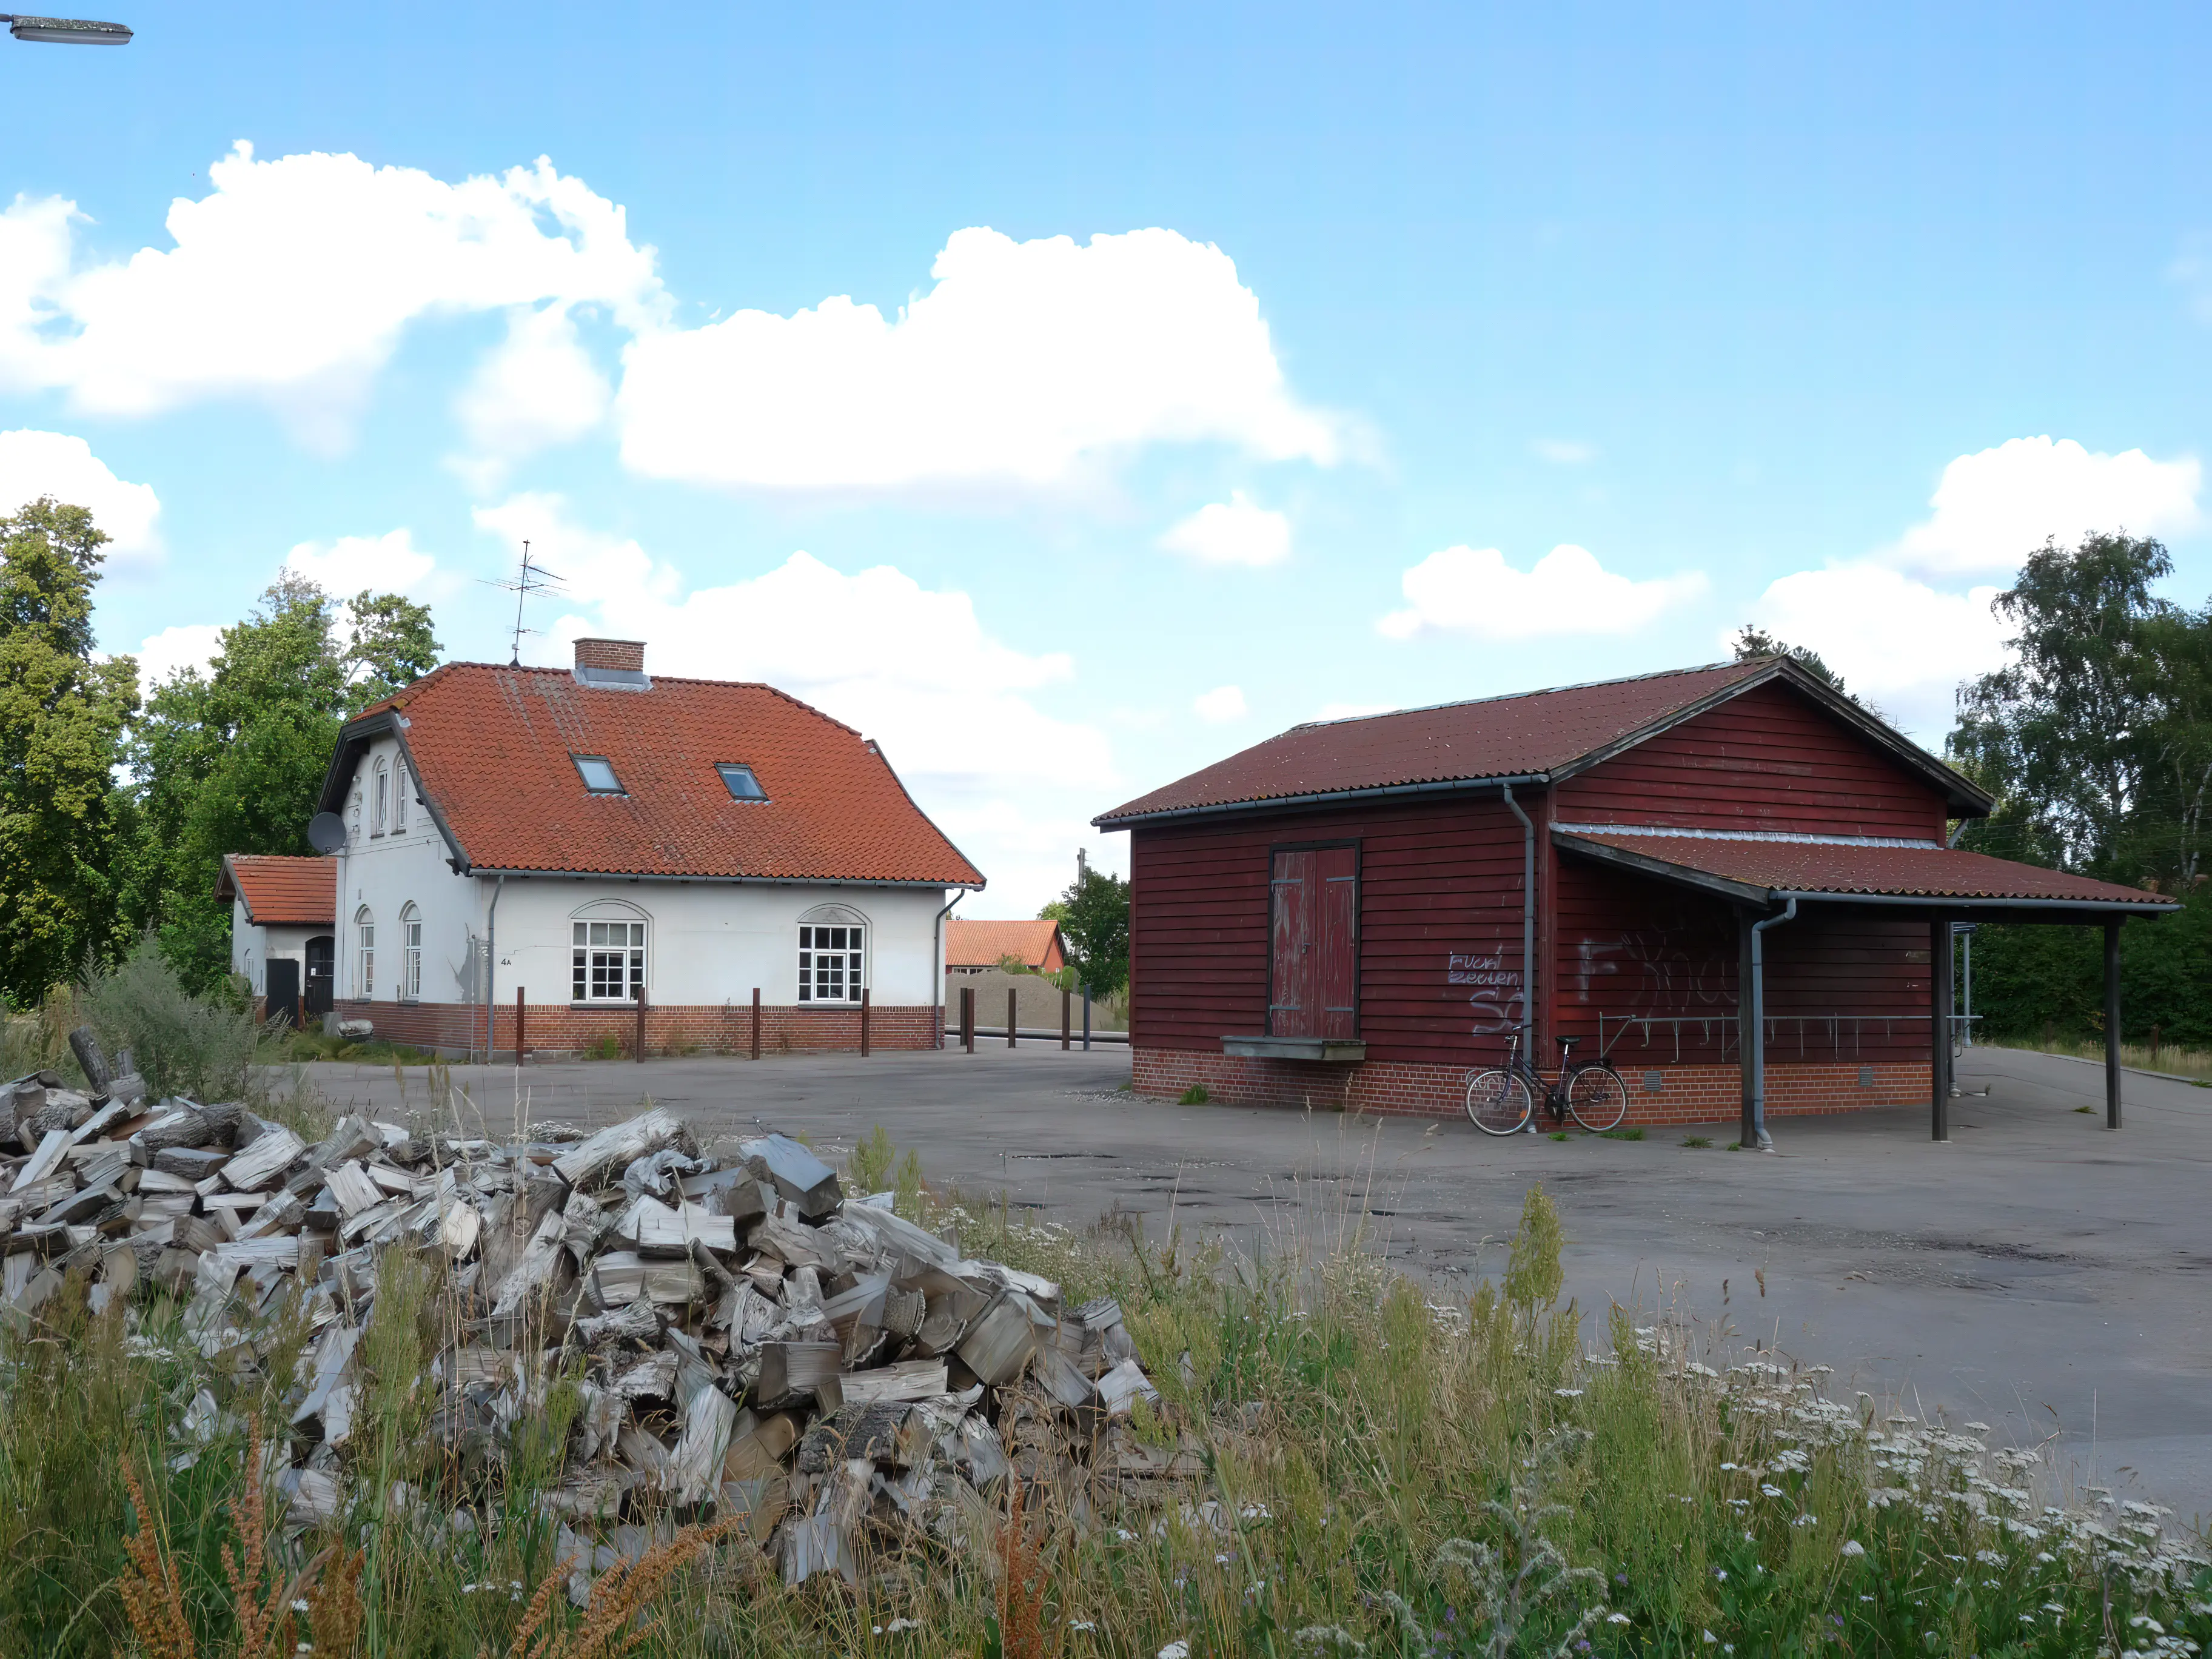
(2193, 1063)
(202, 1047)
(1382, 1474)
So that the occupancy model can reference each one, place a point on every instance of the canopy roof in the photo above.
(1768, 869)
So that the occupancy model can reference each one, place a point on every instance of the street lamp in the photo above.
(67, 30)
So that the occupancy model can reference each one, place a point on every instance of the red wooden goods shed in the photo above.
(1732, 882)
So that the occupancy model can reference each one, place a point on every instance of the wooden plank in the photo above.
(261, 1164)
(614, 1150)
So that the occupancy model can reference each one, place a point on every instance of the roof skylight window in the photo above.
(599, 775)
(740, 781)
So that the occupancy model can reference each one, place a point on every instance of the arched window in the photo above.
(606, 956)
(379, 800)
(400, 791)
(833, 954)
(364, 977)
(410, 955)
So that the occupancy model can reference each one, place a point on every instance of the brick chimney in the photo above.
(626, 656)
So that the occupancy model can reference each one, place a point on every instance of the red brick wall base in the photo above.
(1684, 1094)
(715, 1028)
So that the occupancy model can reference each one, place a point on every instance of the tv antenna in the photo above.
(532, 578)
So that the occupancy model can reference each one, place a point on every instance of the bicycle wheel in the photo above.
(1498, 1102)
(1597, 1097)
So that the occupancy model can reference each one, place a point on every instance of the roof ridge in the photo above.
(1517, 696)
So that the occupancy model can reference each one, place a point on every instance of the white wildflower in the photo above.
(1616, 1619)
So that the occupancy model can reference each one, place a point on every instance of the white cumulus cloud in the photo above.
(1026, 363)
(913, 667)
(1474, 591)
(1898, 641)
(1994, 507)
(389, 563)
(1904, 624)
(35, 464)
(292, 280)
(1223, 702)
(539, 387)
(1236, 531)
(187, 645)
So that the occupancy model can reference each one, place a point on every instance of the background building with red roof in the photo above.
(589, 839)
(1733, 882)
(973, 946)
(281, 934)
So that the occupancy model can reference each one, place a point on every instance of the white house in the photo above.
(282, 936)
(560, 846)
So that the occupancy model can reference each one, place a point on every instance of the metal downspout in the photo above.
(1757, 1035)
(937, 963)
(1528, 921)
(491, 965)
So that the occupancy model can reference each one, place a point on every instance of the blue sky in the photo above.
(1761, 313)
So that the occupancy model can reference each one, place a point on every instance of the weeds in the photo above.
(1620, 1134)
(1369, 1472)
(202, 1047)
(1697, 1143)
(1194, 1096)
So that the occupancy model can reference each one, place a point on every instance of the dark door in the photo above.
(1313, 955)
(322, 952)
(283, 999)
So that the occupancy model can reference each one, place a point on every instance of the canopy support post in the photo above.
(1939, 1028)
(2112, 1024)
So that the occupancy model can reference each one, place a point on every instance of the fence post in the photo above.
(641, 1024)
(519, 1048)
(1086, 1020)
(1066, 996)
(1011, 1007)
(864, 1022)
(967, 1017)
(756, 1022)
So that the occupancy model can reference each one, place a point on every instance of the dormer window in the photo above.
(740, 781)
(599, 775)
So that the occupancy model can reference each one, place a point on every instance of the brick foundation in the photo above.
(717, 1028)
(1685, 1094)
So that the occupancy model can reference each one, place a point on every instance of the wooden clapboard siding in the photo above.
(1626, 947)
(1436, 880)
(1767, 759)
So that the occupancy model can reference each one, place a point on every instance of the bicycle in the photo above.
(1501, 1100)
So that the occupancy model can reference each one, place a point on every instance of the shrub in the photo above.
(1195, 1094)
(202, 1047)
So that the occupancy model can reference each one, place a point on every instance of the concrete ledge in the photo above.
(1333, 1051)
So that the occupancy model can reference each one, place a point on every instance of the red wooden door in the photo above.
(1291, 1000)
(1336, 941)
(1313, 957)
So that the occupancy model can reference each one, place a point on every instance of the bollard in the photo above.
(967, 1017)
(641, 1024)
(756, 1022)
(1065, 997)
(864, 1022)
(518, 1046)
(1011, 1011)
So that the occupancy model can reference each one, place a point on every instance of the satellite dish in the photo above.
(326, 832)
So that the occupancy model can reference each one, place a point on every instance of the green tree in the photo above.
(233, 761)
(63, 716)
(1752, 640)
(2093, 738)
(1093, 914)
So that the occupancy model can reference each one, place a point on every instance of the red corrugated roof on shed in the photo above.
(1531, 732)
(981, 943)
(492, 749)
(281, 891)
(1849, 869)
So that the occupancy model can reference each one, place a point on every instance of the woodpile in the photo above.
(742, 1339)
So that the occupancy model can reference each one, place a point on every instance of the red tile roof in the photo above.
(491, 747)
(1853, 868)
(977, 944)
(1517, 736)
(282, 892)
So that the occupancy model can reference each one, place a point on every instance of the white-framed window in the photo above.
(380, 798)
(399, 793)
(364, 972)
(606, 961)
(833, 960)
(410, 955)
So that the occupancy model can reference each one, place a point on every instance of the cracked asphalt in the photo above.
(2038, 1274)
